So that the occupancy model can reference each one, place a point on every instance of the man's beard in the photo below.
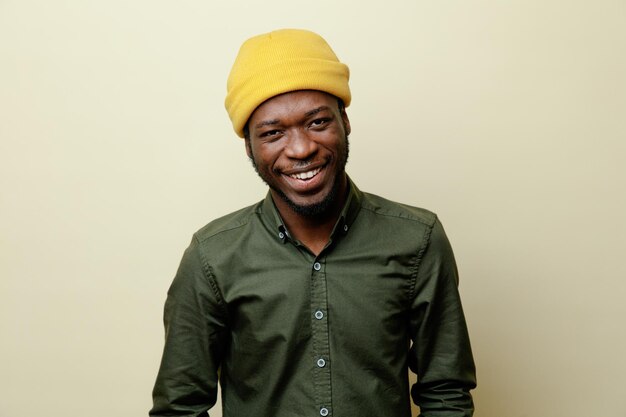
(321, 208)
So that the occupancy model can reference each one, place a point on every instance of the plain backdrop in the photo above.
(507, 118)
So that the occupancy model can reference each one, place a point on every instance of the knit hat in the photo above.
(279, 62)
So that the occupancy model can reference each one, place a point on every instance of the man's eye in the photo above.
(319, 122)
(270, 133)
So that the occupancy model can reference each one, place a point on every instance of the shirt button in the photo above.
(281, 235)
(317, 266)
(345, 227)
(319, 315)
(321, 363)
(323, 411)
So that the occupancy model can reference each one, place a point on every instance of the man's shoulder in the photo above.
(228, 223)
(383, 207)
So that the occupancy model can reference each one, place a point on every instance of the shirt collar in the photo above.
(271, 216)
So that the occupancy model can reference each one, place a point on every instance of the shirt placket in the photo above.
(321, 348)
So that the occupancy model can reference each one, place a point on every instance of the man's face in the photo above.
(298, 143)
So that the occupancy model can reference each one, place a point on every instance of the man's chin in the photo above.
(320, 208)
(317, 209)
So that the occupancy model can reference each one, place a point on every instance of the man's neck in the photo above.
(312, 231)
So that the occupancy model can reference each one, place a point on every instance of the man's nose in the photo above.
(300, 145)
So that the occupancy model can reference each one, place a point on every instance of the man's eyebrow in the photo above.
(267, 123)
(315, 111)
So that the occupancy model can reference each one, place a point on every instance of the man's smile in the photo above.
(307, 175)
(308, 182)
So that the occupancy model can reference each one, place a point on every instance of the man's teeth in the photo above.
(306, 175)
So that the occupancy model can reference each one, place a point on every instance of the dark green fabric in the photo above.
(243, 306)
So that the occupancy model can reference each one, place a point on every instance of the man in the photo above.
(314, 301)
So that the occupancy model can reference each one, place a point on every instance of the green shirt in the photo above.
(288, 333)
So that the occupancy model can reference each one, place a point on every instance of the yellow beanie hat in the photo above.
(279, 62)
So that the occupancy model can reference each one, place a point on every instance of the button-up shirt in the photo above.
(288, 333)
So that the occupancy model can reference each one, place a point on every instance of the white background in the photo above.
(507, 118)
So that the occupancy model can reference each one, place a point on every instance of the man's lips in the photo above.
(305, 175)
(305, 181)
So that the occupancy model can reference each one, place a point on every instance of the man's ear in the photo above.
(248, 148)
(346, 121)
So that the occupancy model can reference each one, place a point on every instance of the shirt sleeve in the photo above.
(195, 339)
(440, 354)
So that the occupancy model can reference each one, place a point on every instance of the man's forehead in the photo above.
(307, 114)
(304, 103)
